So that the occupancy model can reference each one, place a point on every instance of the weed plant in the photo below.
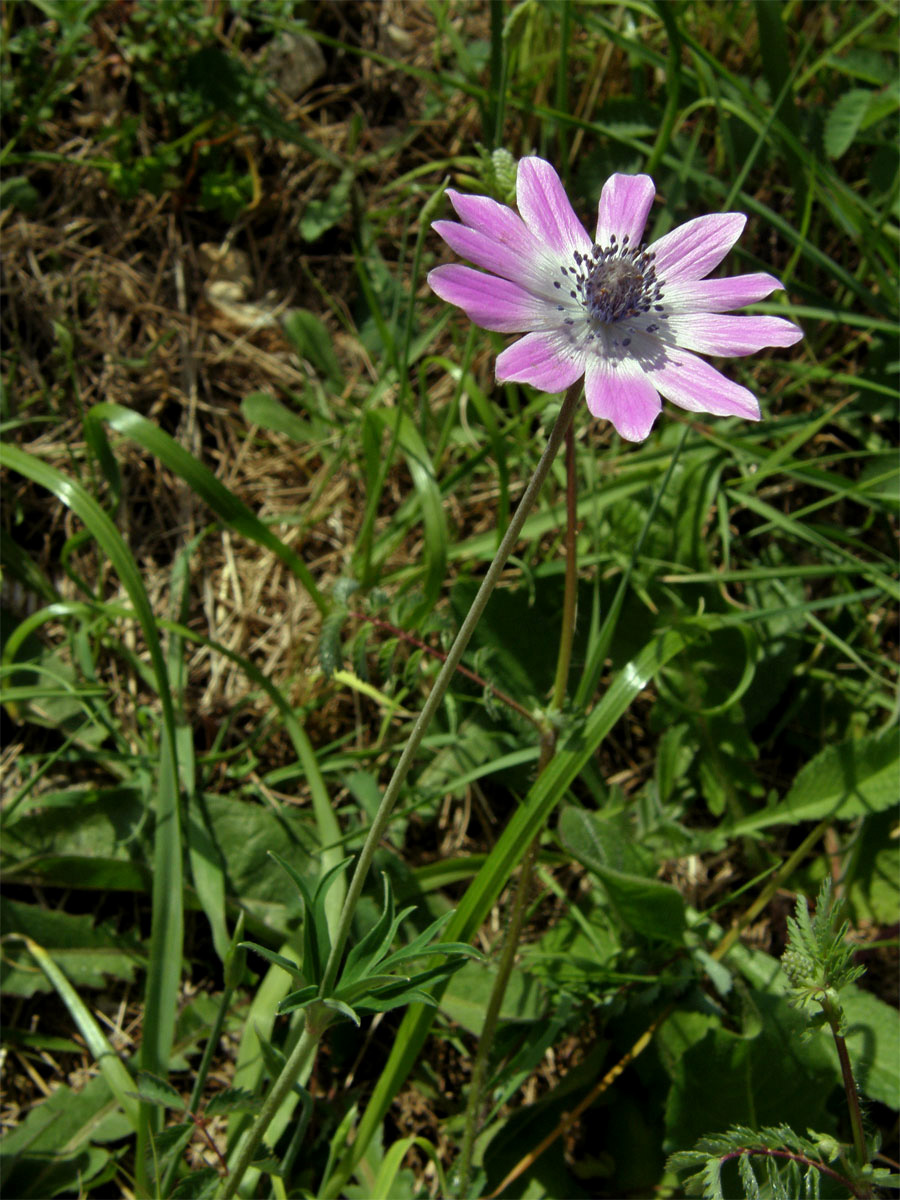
(253, 474)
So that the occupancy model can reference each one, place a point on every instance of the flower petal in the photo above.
(719, 295)
(542, 360)
(546, 209)
(490, 302)
(620, 392)
(624, 204)
(530, 270)
(695, 248)
(495, 220)
(693, 384)
(711, 334)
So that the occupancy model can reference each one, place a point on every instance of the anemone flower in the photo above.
(624, 315)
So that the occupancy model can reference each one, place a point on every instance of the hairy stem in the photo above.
(300, 1058)
(306, 1047)
(404, 636)
(523, 890)
(833, 1016)
(392, 791)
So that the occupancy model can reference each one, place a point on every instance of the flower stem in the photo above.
(306, 1047)
(523, 890)
(299, 1059)
(392, 791)
(570, 596)
(833, 1017)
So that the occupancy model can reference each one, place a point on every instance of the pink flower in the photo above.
(624, 315)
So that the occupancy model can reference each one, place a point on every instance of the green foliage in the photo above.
(169, 561)
(368, 981)
(819, 960)
(771, 1161)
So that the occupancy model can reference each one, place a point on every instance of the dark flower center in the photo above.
(614, 282)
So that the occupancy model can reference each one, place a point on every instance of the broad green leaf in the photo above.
(264, 410)
(465, 998)
(844, 120)
(873, 1043)
(726, 1078)
(89, 954)
(157, 1091)
(321, 215)
(850, 780)
(58, 1145)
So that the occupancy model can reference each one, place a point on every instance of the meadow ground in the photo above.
(253, 471)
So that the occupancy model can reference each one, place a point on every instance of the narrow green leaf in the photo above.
(112, 1068)
(166, 938)
(201, 480)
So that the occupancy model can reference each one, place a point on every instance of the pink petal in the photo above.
(693, 384)
(485, 251)
(624, 204)
(495, 220)
(719, 295)
(542, 359)
(620, 392)
(695, 248)
(710, 334)
(490, 302)
(545, 206)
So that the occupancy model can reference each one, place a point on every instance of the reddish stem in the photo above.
(439, 654)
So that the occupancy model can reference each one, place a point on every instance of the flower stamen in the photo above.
(616, 283)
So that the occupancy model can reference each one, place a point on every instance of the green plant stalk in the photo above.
(523, 891)
(492, 1015)
(300, 1058)
(233, 970)
(498, 72)
(305, 1048)
(833, 1017)
(673, 82)
(436, 696)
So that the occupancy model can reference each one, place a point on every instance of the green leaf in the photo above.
(58, 1145)
(649, 907)
(279, 960)
(224, 503)
(89, 954)
(852, 779)
(723, 1078)
(466, 997)
(299, 999)
(200, 1184)
(873, 1042)
(231, 1100)
(374, 945)
(311, 340)
(111, 1066)
(264, 410)
(157, 1091)
(18, 192)
(321, 215)
(843, 122)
